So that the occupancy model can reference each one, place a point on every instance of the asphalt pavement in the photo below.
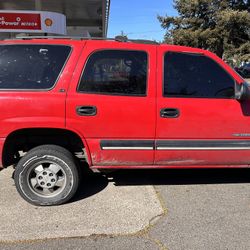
(136, 209)
(99, 208)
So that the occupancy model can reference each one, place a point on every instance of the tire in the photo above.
(47, 175)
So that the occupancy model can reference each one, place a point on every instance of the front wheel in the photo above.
(47, 175)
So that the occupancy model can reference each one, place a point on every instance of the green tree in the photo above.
(221, 26)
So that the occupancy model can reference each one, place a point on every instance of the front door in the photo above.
(199, 121)
(114, 105)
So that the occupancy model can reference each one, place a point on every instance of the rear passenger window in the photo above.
(31, 67)
(115, 72)
(195, 75)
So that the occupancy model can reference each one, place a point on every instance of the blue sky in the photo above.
(138, 18)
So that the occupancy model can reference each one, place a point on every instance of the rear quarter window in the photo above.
(31, 67)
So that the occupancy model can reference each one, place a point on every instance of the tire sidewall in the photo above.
(25, 167)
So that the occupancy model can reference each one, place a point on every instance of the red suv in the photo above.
(115, 104)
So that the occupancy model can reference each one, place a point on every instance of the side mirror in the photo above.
(242, 91)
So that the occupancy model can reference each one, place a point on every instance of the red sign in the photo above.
(20, 21)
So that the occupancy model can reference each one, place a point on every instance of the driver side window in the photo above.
(195, 76)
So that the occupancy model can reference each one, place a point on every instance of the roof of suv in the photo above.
(117, 39)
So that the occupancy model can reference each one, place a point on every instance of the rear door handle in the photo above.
(86, 110)
(169, 113)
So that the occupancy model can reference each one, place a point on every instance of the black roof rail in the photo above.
(61, 37)
(121, 38)
(125, 39)
(117, 38)
(144, 41)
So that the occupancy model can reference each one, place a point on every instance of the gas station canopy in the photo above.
(83, 17)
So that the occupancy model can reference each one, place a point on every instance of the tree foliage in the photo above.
(222, 26)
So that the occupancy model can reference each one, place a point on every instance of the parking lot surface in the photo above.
(101, 208)
(151, 209)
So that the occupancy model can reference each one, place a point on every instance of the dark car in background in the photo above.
(244, 71)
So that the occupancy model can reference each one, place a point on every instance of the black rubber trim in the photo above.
(200, 143)
(127, 143)
(174, 144)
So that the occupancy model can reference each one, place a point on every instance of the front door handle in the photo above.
(169, 113)
(86, 110)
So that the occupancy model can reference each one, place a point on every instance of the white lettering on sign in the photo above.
(29, 24)
(9, 23)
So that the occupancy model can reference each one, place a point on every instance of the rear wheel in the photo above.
(47, 175)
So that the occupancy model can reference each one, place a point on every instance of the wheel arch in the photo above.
(27, 138)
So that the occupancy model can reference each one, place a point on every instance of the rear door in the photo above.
(199, 121)
(111, 102)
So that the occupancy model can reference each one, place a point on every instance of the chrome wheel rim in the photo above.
(46, 179)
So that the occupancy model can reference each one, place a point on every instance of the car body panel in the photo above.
(201, 120)
(127, 131)
(38, 108)
(118, 117)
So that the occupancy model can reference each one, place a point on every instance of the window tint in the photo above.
(195, 75)
(115, 72)
(31, 66)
